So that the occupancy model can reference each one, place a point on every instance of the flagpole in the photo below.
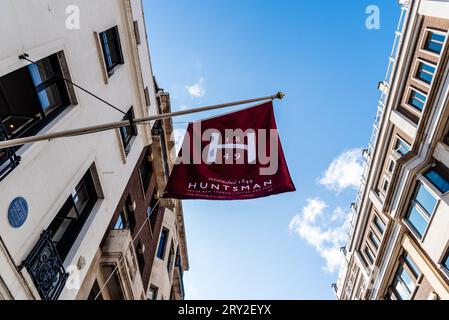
(124, 123)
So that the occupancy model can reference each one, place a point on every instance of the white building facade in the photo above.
(69, 188)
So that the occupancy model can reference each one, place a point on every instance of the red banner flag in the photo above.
(231, 157)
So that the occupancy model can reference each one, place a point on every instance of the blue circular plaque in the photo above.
(17, 212)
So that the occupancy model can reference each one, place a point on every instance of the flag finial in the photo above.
(280, 95)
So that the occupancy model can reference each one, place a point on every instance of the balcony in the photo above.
(46, 269)
(119, 267)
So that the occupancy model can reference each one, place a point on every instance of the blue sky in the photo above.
(328, 63)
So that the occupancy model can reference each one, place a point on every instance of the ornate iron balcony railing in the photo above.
(8, 158)
(46, 269)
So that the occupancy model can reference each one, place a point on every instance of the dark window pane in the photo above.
(30, 97)
(69, 221)
(446, 262)
(425, 72)
(369, 255)
(435, 47)
(407, 280)
(114, 285)
(404, 282)
(412, 266)
(417, 100)
(401, 291)
(145, 172)
(400, 288)
(162, 244)
(401, 147)
(15, 124)
(438, 180)
(391, 166)
(40, 75)
(81, 196)
(128, 132)
(152, 211)
(435, 42)
(3, 155)
(425, 199)
(107, 52)
(21, 108)
(120, 224)
(417, 220)
(126, 135)
(95, 292)
(140, 257)
(379, 224)
(374, 240)
(61, 228)
(170, 258)
(129, 214)
(437, 37)
(153, 293)
(49, 98)
(110, 42)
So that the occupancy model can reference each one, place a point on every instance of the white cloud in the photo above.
(338, 214)
(313, 225)
(183, 107)
(313, 209)
(197, 90)
(344, 172)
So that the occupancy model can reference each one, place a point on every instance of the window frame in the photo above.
(128, 133)
(408, 102)
(391, 163)
(115, 278)
(384, 225)
(145, 161)
(152, 210)
(425, 37)
(161, 251)
(430, 184)
(128, 208)
(395, 148)
(122, 220)
(370, 257)
(111, 68)
(72, 231)
(413, 203)
(399, 280)
(374, 231)
(417, 69)
(57, 64)
(376, 244)
(124, 216)
(403, 265)
(171, 258)
(385, 182)
(444, 262)
(95, 292)
(155, 292)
